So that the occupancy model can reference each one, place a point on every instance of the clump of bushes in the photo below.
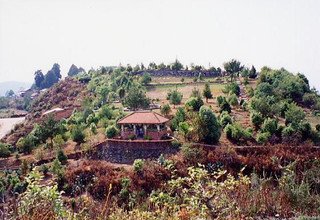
(236, 133)
(111, 131)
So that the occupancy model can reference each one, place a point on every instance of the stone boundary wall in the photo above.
(178, 73)
(138, 144)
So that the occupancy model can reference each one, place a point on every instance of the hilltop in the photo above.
(242, 143)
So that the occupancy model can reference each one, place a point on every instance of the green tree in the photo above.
(194, 103)
(77, 134)
(111, 132)
(294, 115)
(146, 78)
(179, 117)
(136, 99)
(175, 97)
(207, 92)
(176, 65)
(39, 79)
(233, 100)
(165, 109)
(210, 130)
(233, 68)
(62, 157)
(253, 73)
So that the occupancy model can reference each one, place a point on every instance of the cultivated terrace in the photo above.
(243, 145)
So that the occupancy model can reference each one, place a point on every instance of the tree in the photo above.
(294, 115)
(62, 157)
(253, 73)
(74, 70)
(176, 65)
(179, 117)
(236, 133)
(10, 93)
(209, 131)
(136, 68)
(232, 88)
(194, 103)
(184, 129)
(233, 67)
(136, 99)
(175, 97)
(225, 119)
(256, 119)
(233, 100)
(39, 79)
(56, 70)
(111, 132)
(195, 93)
(165, 109)
(146, 78)
(207, 92)
(77, 134)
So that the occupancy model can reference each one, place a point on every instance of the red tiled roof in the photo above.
(143, 118)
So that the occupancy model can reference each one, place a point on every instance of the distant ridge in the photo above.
(14, 85)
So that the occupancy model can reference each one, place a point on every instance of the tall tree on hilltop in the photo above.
(233, 67)
(38, 78)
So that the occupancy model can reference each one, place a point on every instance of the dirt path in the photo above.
(6, 124)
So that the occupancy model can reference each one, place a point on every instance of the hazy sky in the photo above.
(34, 34)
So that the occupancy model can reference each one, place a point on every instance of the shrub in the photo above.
(93, 128)
(193, 154)
(138, 165)
(318, 127)
(194, 103)
(233, 100)
(263, 137)
(270, 125)
(236, 133)
(111, 132)
(62, 157)
(4, 150)
(256, 119)
(209, 129)
(165, 109)
(225, 119)
(147, 137)
(132, 137)
(225, 106)
(77, 134)
(176, 144)
(294, 114)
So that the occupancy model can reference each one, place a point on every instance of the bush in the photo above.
(165, 109)
(147, 137)
(193, 154)
(176, 144)
(209, 129)
(263, 137)
(318, 127)
(132, 137)
(256, 119)
(5, 150)
(111, 132)
(62, 157)
(233, 100)
(225, 119)
(77, 134)
(270, 125)
(225, 106)
(194, 103)
(236, 133)
(138, 165)
(25, 145)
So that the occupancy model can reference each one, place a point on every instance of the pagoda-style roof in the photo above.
(143, 118)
